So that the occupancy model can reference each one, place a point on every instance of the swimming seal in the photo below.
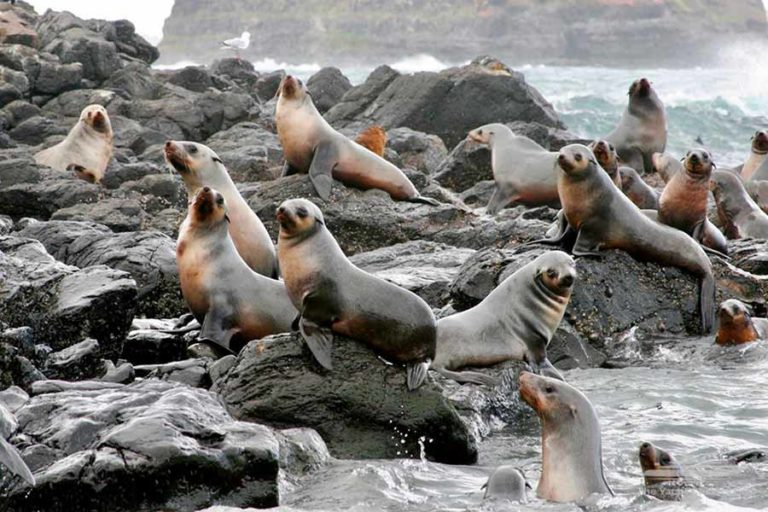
(608, 159)
(601, 217)
(662, 475)
(311, 146)
(523, 171)
(683, 203)
(199, 166)
(515, 321)
(233, 303)
(571, 444)
(642, 129)
(737, 325)
(756, 159)
(88, 145)
(637, 190)
(334, 296)
(740, 216)
(508, 483)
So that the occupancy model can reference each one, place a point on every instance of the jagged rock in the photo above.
(238, 70)
(193, 78)
(355, 408)
(267, 84)
(19, 110)
(128, 42)
(192, 372)
(327, 87)
(134, 81)
(120, 215)
(13, 398)
(80, 361)
(357, 100)
(14, 85)
(249, 152)
(417, 150)
(37, 129)
(147, 346)
(14, 29)
(466, 165)
(123, 374)
(117, 174)
(164, 186)
(41, 198)
(749, 255)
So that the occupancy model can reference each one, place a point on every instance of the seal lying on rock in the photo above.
(199, 166)
(88, 145)
(740, 216)
(524, 172)
(737, 326)
(334, 296)
(515, 321)
(509, 483)
(757, 156)
(313, 147)
(571, 444)
(642, 129)
(233, 303)
(662, 475)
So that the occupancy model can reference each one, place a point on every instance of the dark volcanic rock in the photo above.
(147, 346)
(250, 152)
(266, 86)
(193, 78)
(119, 214)
(128, 42)
(466, 165)
(327, 86)
(358, 408)
(417, 150)
(42, 199)
(357, 100)
(80, 361)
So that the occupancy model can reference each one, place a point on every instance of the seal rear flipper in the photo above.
(424, 200)
(319, 340)
(321, 169)
(10, 458)
(416, 374)
(502, 196)
(469, 377)
(707, 302)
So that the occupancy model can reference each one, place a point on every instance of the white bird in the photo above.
(237, 43)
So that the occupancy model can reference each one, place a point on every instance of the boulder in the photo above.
(358, 99)
(80, 361)
(71, 103)
(37, 129)
(149, 346)
(193, 78)
(417, 150)
(14, 29)
(19, 110)
(240, 71)
(267, 84)
(465, 166)
(134, 81)
(41, 199)
(327, 86)
(123, 34)
(118, 214)
(250, 152)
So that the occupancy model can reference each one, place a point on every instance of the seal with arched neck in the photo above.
(523, 171)
(199, 166)
(571, 443)
(88, 145)
(757, 158)
(662, 475)
(608, 159)
(637, 190)
(737, 326)
(739, 215)
(601, 218)
(515, 321)
(334, 296)
(311, 146)
(642, 130)
(233, 303)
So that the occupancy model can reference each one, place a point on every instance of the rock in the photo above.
(72, 103)
(193, 78)
(77, 362)
(123, 374)
(150, 445)
(249, 152)
(146, 346)
(167, 187)
(37, 129)
(16, 30)
(118, 174)
(749, 255)
(239, 70)
(118, 214)
(19, 110)
(6, 224)
(15, 85)
(479, 194)
(425, 268)
(42, 198)
(302, 451)
(267, 85)
(220, 367)
(134, 81)
(8, 423)
(327, 87)
(128, 42)
(467, 164)
(13, 398)
(55, 78)
(45, 387)
(357, 100)
(356, 408)
(417, 150)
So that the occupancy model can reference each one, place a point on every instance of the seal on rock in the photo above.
(662, 475)
(740, 216)
(334, 296)
(233, 303)
(737, 325)
(88, 145)
(508, 483)
(757, 156)
(608, 159)
(311, 146)
(642, 129)
(515, 321)
(601, 217)
(571, 444)
(637, 190)
(199, 166)
(523, 171)
(373, 138)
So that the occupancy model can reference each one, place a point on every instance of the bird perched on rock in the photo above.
(237, 43)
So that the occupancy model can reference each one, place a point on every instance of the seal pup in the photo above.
(515, 321)
(637, 190)
(601, 218)
(334, 296)
(233, 303)
(523, 171)
(642, 129)
(311, 146)
(508, 483)
(737, 325)
(88, 144)
(683, 203)
(571, 444)
(740, 216)
(662, 475)
(757, 154)
(199, 166)
(373, 138)
(608, 159)
(666, 165)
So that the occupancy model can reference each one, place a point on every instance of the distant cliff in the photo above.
(607, 32)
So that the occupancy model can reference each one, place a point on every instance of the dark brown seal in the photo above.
(737, 326)
(662, 475)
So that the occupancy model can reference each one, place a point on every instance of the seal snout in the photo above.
(760, 142)
(176, 156)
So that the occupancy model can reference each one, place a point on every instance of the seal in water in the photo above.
(740, 216)
(312, 146)
(572, 455)
(642, 130)
(515, 321)
(737, 326)
(199, 166)
(662, 475)
(233, 303)
(334, 296)
(524, 172)
(508, 483)
(88, 145)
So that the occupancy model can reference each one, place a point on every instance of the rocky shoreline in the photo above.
(109, 411)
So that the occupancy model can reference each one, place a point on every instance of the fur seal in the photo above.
(602, 218)
(666, 165)
(608, 159)
(642, 130)
(683, 203)
(199, 166)
(509, 483)
(373, 138)
(233, 303)
(757, 156)
(88, 145)
(637, 190)
(334, 296)
(662, 475)
(313, 147)
(515, 321)
(571, 445)
(740, 216)
(523, 171)
(737, 326)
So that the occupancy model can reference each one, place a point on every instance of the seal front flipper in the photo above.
(468, 377)
(503, 194)
(319, 340)
(416, 374)
(321, 169)
(213, 329)
(586, 247)
(10, 457)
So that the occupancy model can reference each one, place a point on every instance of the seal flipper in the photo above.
(321, 169)
(288, 170)
(319, 340)
(416, 374)
(707, 302)
(469, 377)
(213, 330)
(585, 247)
(502, 196)
(424, 200)
(10, 457)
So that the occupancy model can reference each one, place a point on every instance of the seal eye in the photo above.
(191, 149)
(551, 273)
(479, 132)
(578, 157)
(301, 212)
(549, 390)
(219, 200)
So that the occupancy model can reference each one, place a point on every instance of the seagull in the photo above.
(238, 43)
